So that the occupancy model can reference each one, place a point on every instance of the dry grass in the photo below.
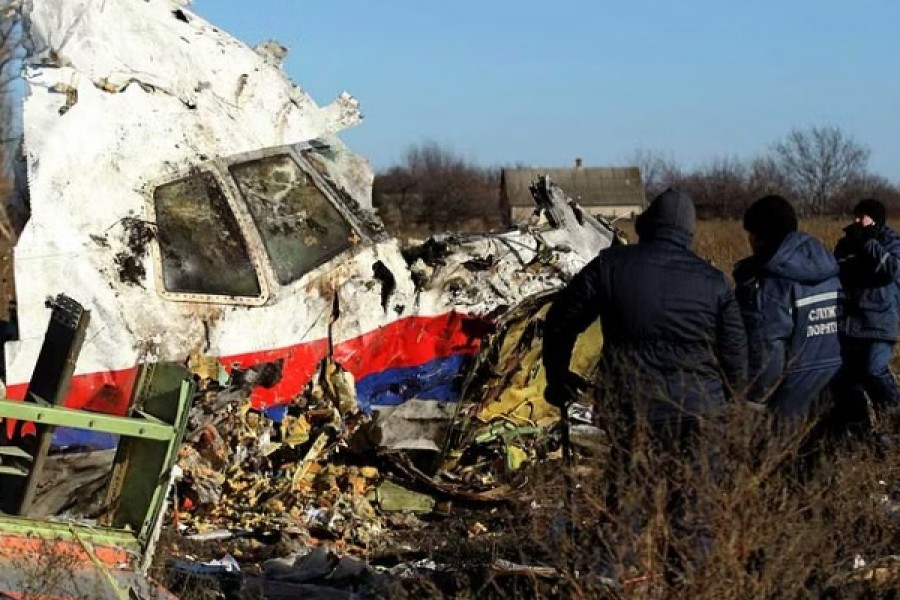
(763, 532)
(50, 571)
(725, 242)
(770, 529)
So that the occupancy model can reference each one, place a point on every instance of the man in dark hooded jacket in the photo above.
(869, 259)
(789, 293)
(674, 347)
(674, 351)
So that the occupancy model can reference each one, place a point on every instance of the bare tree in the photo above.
(868, 185)
(765, 177)
(817, 163)
(658, 170)
(719, 188)
(10, 58)
(436, 188)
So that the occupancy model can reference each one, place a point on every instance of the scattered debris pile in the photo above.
(381, 339)
(318, 470)
(245, 470)
(504, 422)
(325, 575)
(317, 574)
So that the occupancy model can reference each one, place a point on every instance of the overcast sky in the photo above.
(537, 82)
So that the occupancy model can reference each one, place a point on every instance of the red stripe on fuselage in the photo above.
(410, 342)
(406, 342)
(106, 392)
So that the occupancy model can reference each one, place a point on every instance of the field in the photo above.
(777, 522)
(725, 242)
(782, 522)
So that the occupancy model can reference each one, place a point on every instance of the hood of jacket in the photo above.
(670, 217)
(803, 258)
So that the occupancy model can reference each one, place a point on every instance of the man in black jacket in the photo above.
(674, 351)
(674, 346)
(869, 259)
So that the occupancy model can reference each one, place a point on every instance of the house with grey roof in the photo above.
(602, 191)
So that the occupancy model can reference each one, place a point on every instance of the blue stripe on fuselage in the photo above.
(436, 380)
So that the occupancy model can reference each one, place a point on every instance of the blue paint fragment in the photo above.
(435, 380)
(83, 439)
(277, 413)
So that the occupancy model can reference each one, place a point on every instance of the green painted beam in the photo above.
(13, 471)
(79, 419)
(51, 530)
(14, 452)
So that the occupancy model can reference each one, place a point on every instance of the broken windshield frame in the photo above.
(299, 225)
(201, 248)
(266, 270)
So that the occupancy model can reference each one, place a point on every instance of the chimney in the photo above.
(578, 163)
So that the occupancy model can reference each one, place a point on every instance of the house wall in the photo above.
(613, 211)
(522, 213)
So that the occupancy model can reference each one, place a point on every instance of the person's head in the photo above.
(767, 222)
(870, 212)
(670, 212)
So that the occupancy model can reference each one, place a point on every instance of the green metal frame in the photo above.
(146, 455)
(166, 395)
(145, 427)
(56, 530)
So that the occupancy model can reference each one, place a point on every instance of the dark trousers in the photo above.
(671, 452)
(811, 434)
(866, 372)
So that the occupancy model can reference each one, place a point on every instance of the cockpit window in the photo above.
(203, 251)
(299, 226)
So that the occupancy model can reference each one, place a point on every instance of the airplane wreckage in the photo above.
(192, 211)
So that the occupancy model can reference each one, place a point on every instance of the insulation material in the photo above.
(503, 423)
(508, 381)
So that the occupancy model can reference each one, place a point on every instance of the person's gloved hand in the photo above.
(854, 232)
(563, 391)
(869, 233)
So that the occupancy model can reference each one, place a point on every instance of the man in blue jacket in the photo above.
(869, 259)
(789, 292)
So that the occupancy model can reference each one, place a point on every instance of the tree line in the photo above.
(822, 169)
(434, 189)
